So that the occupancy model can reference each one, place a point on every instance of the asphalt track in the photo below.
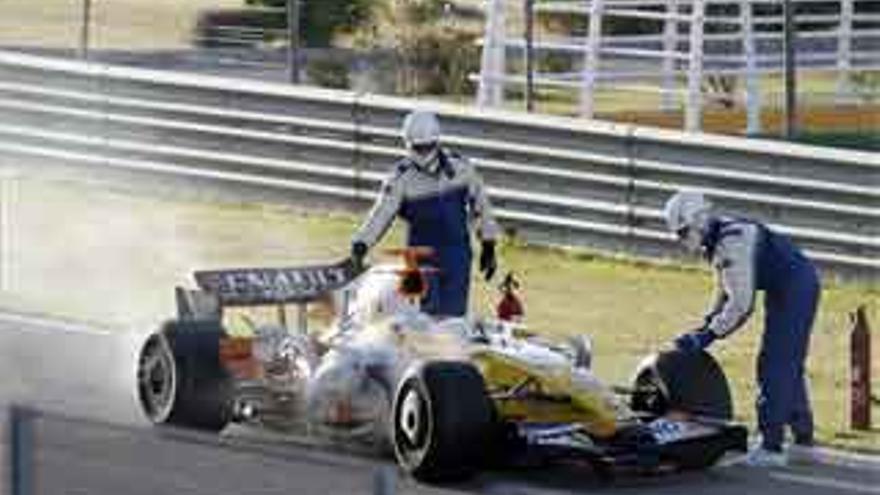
(71, 371)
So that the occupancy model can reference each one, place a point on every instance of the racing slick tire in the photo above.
(442, 421)
(180, 380)
(689, 383)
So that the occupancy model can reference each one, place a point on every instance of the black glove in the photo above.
(358, 253)
(488, 263)
(695, 341)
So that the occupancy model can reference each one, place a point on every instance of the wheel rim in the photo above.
(412, 425)
(649, 396)
(411, 418)
(156, 380)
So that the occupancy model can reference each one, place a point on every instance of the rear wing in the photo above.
(261, 286)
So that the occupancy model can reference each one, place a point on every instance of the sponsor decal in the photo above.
(667, 431)
(274, 285)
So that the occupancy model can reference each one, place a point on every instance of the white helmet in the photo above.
(421, 127)
(421, 133)
(686, 214)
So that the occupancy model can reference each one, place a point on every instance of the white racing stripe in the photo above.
(35, 323)
(831, 483)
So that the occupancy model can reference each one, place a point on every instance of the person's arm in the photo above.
(382, 213)
(719, 298)
(735, 264)
(481, 209)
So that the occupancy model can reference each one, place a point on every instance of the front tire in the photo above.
(442, 422)
(690, 383)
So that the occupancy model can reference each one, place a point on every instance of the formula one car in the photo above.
(447, 397)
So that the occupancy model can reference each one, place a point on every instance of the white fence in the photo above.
(555, 180)
(695, 42)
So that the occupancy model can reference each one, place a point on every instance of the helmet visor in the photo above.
(423, 149)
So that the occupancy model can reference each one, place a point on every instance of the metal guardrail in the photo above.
(555, 180)
(37, 440)
(21, 451)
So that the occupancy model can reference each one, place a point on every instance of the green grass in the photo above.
(864, 140)
(112, 256)
(814, 89)
(632, 308)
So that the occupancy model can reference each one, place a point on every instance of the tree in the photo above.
(323, 19)
(435, 53)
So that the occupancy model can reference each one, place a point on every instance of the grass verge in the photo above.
(120, 24)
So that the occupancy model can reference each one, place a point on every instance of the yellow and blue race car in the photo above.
(446, 397)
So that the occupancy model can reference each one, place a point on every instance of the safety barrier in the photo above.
(553, 179)
(54, 452)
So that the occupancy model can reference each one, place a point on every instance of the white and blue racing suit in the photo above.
(748, 257)
(438, 202)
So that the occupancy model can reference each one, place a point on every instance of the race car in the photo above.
(446, 397)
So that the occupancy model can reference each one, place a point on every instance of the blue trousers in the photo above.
(449, 288)
(783, 399)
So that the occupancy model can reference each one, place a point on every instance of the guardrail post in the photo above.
(860, 369)
(492, 66)
(750, 52)
(844, 49)
(529, 36)
(693, 116)
(85, 29)
(293, 27)
(790, 73)
(670, 63)
(21, 451)
(591, 60)
(384, 482)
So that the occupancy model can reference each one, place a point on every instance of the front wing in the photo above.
(662, 442)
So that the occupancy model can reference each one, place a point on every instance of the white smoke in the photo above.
(93, 253)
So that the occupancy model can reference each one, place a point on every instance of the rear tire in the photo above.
(442, 422)
(181, 381)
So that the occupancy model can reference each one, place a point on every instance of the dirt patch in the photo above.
(836, 118)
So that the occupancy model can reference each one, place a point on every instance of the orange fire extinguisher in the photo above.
(510, 308)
